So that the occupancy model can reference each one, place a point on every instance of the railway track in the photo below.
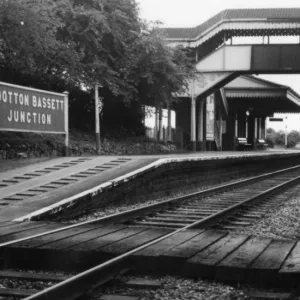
(197, 210)
(251, 213)
(247, 202)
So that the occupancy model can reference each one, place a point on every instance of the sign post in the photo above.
(66, 123)
(31, 110)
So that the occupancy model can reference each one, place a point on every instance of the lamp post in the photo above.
(97, 119)
(286, 133)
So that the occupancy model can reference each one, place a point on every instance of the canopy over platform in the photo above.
(260, 96)
(237, 22)
(220, 60)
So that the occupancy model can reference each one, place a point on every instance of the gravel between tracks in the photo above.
(176, 288)
(282, 222)
(37, 285)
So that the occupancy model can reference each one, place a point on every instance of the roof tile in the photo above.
(229, 14)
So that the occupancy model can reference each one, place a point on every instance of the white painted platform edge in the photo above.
(124, 178)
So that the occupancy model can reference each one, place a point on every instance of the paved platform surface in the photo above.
(191, 253)
(31, 188)
(28, 189)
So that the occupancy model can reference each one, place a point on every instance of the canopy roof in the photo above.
(276, 21)
(261, 94)
(269, 14)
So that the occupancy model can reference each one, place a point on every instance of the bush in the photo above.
(278, 138)
(293, 139)
(17, 145)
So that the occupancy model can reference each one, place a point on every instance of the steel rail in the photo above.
(83, 282)
(225, 212)
(140, 211)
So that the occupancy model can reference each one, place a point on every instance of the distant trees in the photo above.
(278, 138)
(293, 138)
(271, 137)
(69, 44)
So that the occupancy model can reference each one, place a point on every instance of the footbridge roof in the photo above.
(282, 21)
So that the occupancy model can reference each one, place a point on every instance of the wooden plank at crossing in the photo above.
(97, 243)
(18, 227)
(148, 258)
(243, 256)
(218, 251)
(273, 257)
(39, 241)
(292, 262)
(236, 265)
(194, 245)
(203, 263)
(132, 242)
(168, 243)
(30, 232)
(174, 259)
(71, 241)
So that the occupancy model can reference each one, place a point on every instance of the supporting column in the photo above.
(259, 128)
(255, 133)
(193, 123)
(200, 124)
(265, 128)
(204, 124)
(66, 123)
(156, 125)
(169, 139)
(255, 128)
(160, 125)
(220, 128)
(193, 117)
(236, 125)
(246, 127)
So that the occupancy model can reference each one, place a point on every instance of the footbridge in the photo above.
(235, 42)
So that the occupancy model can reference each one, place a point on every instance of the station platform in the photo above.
(35, 189)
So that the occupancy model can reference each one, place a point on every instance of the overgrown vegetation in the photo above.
(277, 138)
(30, 145)
(69, 45)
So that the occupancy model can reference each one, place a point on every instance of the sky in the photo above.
(190, 13)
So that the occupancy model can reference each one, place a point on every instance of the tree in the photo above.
(159, 70)
(70, 44)
(280, 138)
(31, 54)
(271, 137)
(293, 138)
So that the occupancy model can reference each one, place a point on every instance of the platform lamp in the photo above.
(249, 111)
(98, 108)
(286, 132)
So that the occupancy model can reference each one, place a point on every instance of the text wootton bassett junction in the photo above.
(26, 109)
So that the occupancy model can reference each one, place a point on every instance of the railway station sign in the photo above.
(32, 110)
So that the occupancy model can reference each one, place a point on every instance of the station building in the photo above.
(225, 104)
(239, 110)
